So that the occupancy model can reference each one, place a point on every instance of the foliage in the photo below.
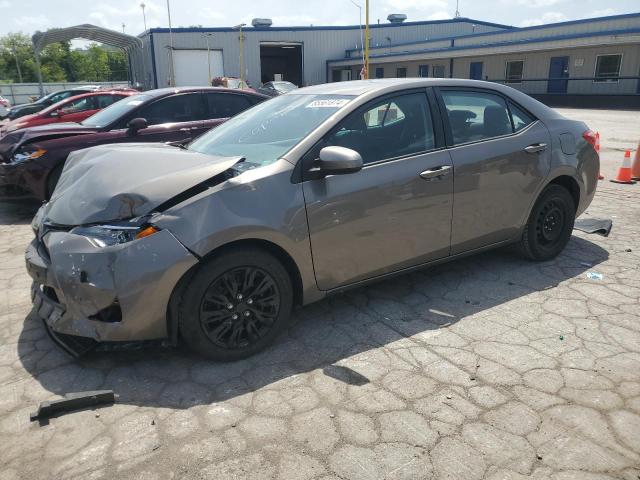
(58, 62)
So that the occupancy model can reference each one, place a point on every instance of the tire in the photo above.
(212, 313)
(52, 181)
(550, 224)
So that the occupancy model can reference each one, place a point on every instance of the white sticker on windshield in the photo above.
(333, 103)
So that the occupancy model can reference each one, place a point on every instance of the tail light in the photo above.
(591, 138)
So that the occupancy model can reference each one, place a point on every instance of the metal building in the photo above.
(593, 57)
(297, 54)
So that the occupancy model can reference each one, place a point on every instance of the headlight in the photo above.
(17, 126)
(108, 235)
(26, 153)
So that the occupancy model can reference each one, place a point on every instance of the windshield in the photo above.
(115, 111)
(267, 131)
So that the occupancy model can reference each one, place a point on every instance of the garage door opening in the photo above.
(281, 61)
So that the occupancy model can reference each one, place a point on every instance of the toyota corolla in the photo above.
(307, 194)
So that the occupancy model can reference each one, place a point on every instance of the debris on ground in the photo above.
(73, 401)
(594, 225)
(595, 276)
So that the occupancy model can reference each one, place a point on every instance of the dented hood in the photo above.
(118, 182)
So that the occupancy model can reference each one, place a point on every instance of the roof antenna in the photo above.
(457, 14)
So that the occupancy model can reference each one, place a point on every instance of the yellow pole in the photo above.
(366, 40)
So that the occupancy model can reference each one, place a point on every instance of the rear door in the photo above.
(395, 212)
(500, 155)
(223, 105)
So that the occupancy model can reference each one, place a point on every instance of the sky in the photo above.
(30, 15)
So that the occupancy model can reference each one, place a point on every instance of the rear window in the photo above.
(475, 116)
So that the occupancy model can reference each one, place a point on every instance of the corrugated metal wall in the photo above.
(319, 45)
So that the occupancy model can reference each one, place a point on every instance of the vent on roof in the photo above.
(397, 17)
(261, 22)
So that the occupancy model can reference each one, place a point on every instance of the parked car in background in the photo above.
(73, 109)
(31, 159)
(23, 109)
(310, 193)
(232, 83)
(273, 89)
(4, 107)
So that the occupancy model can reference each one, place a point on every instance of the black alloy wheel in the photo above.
(235, 304)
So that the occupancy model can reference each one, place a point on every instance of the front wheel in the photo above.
(550, 224)
(235, 304)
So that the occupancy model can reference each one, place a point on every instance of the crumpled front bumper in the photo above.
(76, 282)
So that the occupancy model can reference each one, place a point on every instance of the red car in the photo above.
(73, 109)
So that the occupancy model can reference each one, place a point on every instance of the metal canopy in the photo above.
(126, 42)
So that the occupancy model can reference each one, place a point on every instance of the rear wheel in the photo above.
(235, 304)
(550, 224)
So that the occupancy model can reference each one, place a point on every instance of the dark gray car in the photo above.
(304, 195)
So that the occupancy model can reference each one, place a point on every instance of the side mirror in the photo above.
(338, 160)
(137, 124)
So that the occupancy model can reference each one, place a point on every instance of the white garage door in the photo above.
(191, 67)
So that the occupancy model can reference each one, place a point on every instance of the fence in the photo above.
(18, 93)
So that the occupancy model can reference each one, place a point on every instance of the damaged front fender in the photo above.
(137, 277)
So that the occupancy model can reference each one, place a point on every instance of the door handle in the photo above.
(535, 148)
(436, 172)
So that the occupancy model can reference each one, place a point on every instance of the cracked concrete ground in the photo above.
(489, 368)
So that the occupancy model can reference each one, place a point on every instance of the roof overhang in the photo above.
(87, 32)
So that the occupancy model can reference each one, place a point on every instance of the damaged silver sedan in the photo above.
(310, 193)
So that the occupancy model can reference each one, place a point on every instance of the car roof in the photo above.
(160, 92)
(375, 87)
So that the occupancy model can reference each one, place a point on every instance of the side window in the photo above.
(102, 101)
(61, 96)
(520, 118)
(225, 105)
(476, 116)
(78, 105)
(390, 128)
(187, 107)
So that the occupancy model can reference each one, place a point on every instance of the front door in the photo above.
(558, 71)
(475, 70)
(500, 156)
(396, 211)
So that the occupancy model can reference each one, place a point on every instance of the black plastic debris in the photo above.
(594, 225)
(73, 401)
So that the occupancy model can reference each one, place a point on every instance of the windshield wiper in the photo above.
(180, 143)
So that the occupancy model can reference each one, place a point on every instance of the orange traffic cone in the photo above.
(597, 146)
(624, 172)
(635, 167)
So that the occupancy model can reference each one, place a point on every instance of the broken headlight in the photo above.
(108, 235)
(27, 152)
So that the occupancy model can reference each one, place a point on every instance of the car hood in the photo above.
(13, 140)
(117, 182)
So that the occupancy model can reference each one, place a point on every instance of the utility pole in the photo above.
(15, 54)
(144, 16)
(172, 80)
(366, 44)
(457, 14)
(360, 27)
(208, 36)
(239, 27)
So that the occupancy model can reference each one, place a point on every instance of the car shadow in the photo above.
(335, 336)
(18, 212)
